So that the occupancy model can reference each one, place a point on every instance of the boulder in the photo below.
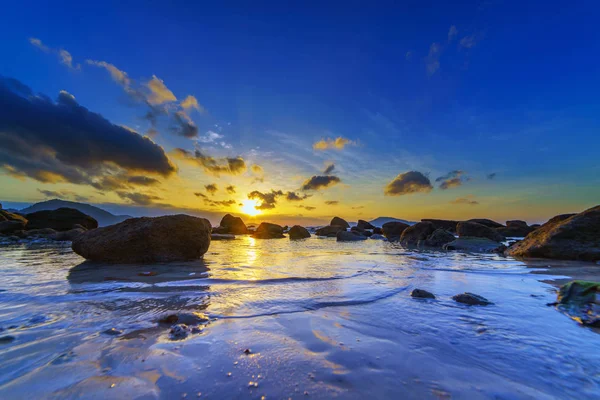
(378, 231)
(515, 231)
(393, 230)
(267, 230)
(362, 225)
(9, 216)
(445, 224)
(337, 221)
(422, 294)
(329, 231)
(61, 219)
(146, 240)
(580, 300)
(471, 299)
(475, 245)
(233, 225)
(575, 237)
(221, 236)
(474, 229)
(415, 233)
(516, 224)
(438, 238)
(298, 232)
(352, 236)
(487, 222)
(68, 236)
(10, 227)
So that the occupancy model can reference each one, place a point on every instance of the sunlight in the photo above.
(249, 207)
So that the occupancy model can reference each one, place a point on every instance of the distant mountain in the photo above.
(382, 220)
(103, 217)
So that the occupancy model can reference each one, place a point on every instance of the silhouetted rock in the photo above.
(377, 236)
(267, 230)
(378, 231)
(329, 231)
(62, 219)
(298, 232)
(352, 236)
(475, 245)
(222, 236)
(445, 224)
(393, 230)
(9, 216)
(575, 237)
(471, 299)
(68, 236)
(474, 229)
(515, 229)
(422, 294)
(487, 222)
(362, 224)
(337, 221)
(438, 238)
(10, 227)
(146, 240)
(415, 233)
(233, 225)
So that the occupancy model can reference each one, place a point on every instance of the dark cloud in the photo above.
(183, 125)
(142, 181)
(198, 194)
(329, 169)
(212, 188)
(407, 183)
(230, 189)
(358, 207)
(64, 142)
(452, 179)
(332, 202)
(268, 200)
(320, 182)
(63, 194)
(308, 208)
(232, 166)
(140, 199)
(217, 203)
(293, 196)
(464, 200)
(491, 176)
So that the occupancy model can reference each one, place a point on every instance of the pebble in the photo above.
(112, 332)
(252, 384)
(6, 339)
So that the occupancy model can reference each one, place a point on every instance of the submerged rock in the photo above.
(475, 245)
(337, 221)
(422, 294)
(146, 240)
(298, 232)
(471, 299)
(413, 234)
(393, 229)
(352, 236)
(566, 237)
(329, 231)
(474, 229)
(439, 238)
(267, 230)
(113, 332)
(580, 300)
(222, 236)
(61, 219)
(179, 332)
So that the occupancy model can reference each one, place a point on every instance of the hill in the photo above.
(103, 217)
(379, 221)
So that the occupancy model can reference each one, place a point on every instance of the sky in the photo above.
(296, 113)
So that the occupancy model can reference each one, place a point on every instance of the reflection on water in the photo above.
(317, 316)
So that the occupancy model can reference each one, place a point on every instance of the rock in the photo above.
(179, 332)
(9, 216)
(298, 232)
(68, 236)
(184, 318)
(413, 234)
(474, 229)
(471, 299)
(366, 233)
(445, 224)
(575, 237)
(329, 231)
(378, 231)
(515, 231)
(78, 226)
(422, 294)
(61, 219)
(267, 230)
(535, 226)
(362, 225)
(337, 221)
(10, 227)
(393, 229)
(516, 224)
(222, 236)
(474, 245)
(112, 332)
(580, 300)
(377, 236)
(352, 236)
(233, 225)
(7, 339)
(438, 238)
(487, 222)
(46, 232)
(146, 240)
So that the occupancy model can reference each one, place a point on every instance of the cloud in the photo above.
(198, 194)
(357, 207)
(183, 125)
(268, 200)
(332, 202)
(470, 41)
(293, 196)
(159, 92)
(63, 194)
(407, 183)
(38, 43)
(465, 201)
(491, 176)
(320, 182)
(143, 181)
(119, 77)
(408, 56)
(452, 32)
(329, 169)
(63, 141)
(432, 61)
(308, 208)
(210, 137)
(219, 203)
(211, 188)
(140, 199)
(231, 166)
(190, 102)
(257, 169)
(335, 144)
(230, 189)
(452, 179)
(65, 57)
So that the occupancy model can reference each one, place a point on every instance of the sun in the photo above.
(249, 207)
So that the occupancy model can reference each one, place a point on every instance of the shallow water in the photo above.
(322, 319)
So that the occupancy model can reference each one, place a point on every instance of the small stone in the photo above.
(112, 385)
(229, 374)
(247, 351)
(422, 294)
(112, 332)
(7, 339)
(179, 331)
(252, 384)
(471, 299)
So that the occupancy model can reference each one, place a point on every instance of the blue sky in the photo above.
(483, 87)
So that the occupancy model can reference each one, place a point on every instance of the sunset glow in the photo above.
(249, 208)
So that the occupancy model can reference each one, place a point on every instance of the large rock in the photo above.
(471, 299)
(575, 237)
(393, 230)
(487, 222)
(298, 232)
(515, 230)
(474, 229)
(233, 225)
(580, 300)
(337, 221)
(9, 227)
(415, 233)
(61, 219)
(352, 236)
(445, 224)
(362, 225)
(267, 230)
(329, 231)
(439, 238)
(68, 236)
(475, 245)
(9, 216)
(146, 240)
